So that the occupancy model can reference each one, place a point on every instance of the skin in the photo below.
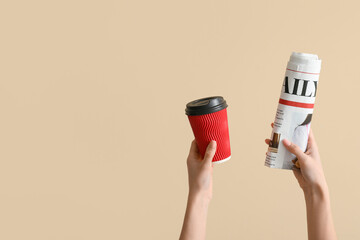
(200, 192)
(309, 173)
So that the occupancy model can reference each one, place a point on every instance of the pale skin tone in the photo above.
(200, 192)
(308, 172)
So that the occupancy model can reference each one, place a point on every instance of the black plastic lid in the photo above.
(205, 106)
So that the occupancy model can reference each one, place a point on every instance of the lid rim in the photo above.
(214, 104)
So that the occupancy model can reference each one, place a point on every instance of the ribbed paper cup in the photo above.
(208, 120)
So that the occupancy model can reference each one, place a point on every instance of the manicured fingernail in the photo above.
(286, 142)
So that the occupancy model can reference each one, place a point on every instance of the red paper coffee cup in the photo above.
(208, 120)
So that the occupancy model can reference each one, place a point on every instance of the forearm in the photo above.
(319, 219)
(194, 226)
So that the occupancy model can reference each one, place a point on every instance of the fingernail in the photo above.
(213, 143)
(286, 142)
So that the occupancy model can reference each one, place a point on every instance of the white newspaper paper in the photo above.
(295, 109)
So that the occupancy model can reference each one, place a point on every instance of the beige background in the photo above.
(93, 135)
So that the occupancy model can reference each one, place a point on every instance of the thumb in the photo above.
(210, 152)
(294, 149)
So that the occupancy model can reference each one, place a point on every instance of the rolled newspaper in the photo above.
(295, 109)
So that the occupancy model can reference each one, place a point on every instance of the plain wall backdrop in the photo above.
(93, 133)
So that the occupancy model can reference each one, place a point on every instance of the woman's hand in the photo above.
(307, 169)
(200, 170)
(200, 192)
(309, 173)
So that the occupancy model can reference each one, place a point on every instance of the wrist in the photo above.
(199, 196)
(318, 191)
